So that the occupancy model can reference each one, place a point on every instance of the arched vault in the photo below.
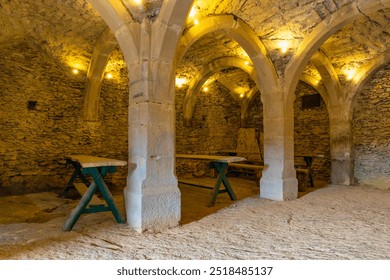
(364, 74)
(321, 33)
(101, 53)
(210, 69)
(238, 30)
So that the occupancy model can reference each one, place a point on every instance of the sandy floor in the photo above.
(333, 222)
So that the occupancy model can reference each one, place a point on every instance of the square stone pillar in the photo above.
(278, 181)
(152, 198)
(341, 152)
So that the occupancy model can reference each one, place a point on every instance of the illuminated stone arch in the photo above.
(321, 33)
(238, 30)
(101, 53)
(210, 69)
(363, 75)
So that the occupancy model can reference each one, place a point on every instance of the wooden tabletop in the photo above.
(90, 161)
(312, 156)
(212, 157)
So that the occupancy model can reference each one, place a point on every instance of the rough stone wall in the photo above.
(311, 133)
(371, 130)
(255, 120)
(35, 140)
(215, 123)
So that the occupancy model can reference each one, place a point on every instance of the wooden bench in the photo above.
(248, 168)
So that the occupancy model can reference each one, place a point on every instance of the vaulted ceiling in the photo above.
(68, 30)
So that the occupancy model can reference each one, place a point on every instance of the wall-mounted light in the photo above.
(284, 46)
(193, 12)
(350, 74)
(180, 82)
(206, 89)
(192, 15)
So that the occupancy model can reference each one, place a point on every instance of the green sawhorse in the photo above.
(221, 168)
(220, 164)
(97, 168)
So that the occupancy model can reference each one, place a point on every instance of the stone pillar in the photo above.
(342, 172)
(278, 181)
(152, 196)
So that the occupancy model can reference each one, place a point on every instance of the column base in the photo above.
(150, 211)
(342, 172)
(279, 189)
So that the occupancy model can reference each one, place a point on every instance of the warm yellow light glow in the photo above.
(350, 73)
(205, 89)
(284, 45)
(242, 95)
(247, 62)
(109, 76)
(137, 2)
(180, 82)
(75, 71)
(196, 22)
(192, 12)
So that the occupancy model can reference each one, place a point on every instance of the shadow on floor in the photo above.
(42, 207)
(195, 200)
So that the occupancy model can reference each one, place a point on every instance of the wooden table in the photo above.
(309, 161)
(98, 168)
(220, 164)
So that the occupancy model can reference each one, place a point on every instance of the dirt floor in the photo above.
(326, 222)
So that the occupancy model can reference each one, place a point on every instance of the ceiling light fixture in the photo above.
(75, 71)
(284, 45)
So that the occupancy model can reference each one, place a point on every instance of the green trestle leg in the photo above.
(221, 168)
(98, 183)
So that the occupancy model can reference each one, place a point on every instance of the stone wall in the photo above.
(311, 133)
(41, 121)
(215, 123)
(371, 130)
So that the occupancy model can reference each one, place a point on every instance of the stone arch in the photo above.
(364, 74)
(239, 31)
(101, 53)
(321, 33)
(118, 19)
(328, 74)
(210, 69)
(311, 81)
(167, 31)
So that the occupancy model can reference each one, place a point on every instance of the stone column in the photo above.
(341, 142)
(278, 181)
(152, 196)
